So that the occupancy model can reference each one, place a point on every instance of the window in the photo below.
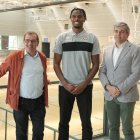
(8, 42)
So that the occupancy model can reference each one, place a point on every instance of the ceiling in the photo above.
(12, 5)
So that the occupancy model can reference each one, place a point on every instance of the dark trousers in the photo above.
(34, 108)
(84, 102)
(115, 111)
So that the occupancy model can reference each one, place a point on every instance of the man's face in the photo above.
(77, 19)
(120, 35)
(31, 43)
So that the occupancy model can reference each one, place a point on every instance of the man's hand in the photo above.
(79, 88)
(69, 87)
(114, 91)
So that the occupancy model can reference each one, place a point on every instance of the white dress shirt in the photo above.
(31, 84)
(116, 52)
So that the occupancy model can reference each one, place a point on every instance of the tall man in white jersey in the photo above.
(79, 52)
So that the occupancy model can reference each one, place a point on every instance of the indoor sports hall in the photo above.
(48, 18)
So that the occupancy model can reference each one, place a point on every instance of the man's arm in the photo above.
(5, 66)
(58, 71)
(112, 90)
(134, 76)
(95, 66)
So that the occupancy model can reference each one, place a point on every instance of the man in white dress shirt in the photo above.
(119, 74)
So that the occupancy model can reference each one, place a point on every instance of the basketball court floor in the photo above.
(52, 112)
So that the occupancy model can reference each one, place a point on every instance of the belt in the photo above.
(28, 99)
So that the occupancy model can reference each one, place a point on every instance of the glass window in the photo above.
(8, 42)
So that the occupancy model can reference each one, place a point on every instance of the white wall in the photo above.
(100, 20)
(12, 23)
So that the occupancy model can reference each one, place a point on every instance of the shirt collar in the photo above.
(73, 33)
(26, 54)
(121, 46)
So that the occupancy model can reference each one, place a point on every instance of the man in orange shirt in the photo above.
(27, 91)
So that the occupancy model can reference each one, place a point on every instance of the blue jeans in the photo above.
(34, 108)
(115, 111)
(84, 102)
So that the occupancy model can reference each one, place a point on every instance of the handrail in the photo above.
(51, 82)
(46, 126)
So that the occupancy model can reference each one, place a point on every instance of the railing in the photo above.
(55, 131)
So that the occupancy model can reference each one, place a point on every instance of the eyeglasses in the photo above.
(28, 41)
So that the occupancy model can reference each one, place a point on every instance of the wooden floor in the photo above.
(52, 113)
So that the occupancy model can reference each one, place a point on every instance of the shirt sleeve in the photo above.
(5, 65)
(58, 44)
(96, 46)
